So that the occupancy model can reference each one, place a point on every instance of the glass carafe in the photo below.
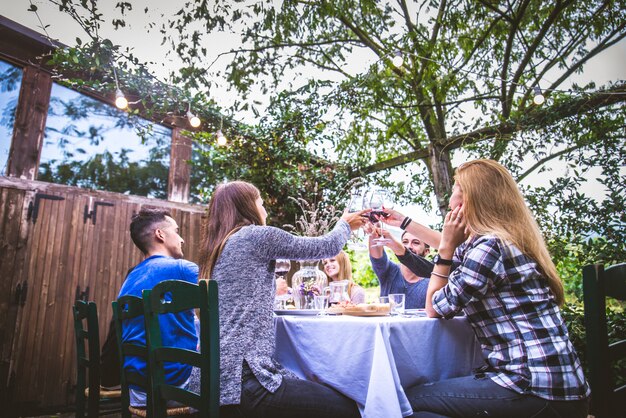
(338, 292)
(306, 283)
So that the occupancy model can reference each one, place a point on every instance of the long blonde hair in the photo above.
(345, 270)
(493, 205)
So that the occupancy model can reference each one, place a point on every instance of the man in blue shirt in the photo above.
(411, 276)
(156, 234)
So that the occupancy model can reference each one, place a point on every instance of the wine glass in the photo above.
(356, 203)
(281, 269)
(379, 199)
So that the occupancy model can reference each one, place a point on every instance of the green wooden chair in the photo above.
(88, 392)
(125, 308)
(174, 296)
(599, 283)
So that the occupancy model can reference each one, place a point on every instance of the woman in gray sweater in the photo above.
(238, 251)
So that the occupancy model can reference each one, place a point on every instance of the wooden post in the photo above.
(30, 122)
(179, 175)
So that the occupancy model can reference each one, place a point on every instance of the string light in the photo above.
(221, 138)
(539, 99)
(194, 121)
(397, 59)
(120, 100)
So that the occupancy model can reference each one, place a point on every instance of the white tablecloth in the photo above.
(373, 359)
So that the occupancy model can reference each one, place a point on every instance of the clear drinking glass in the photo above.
(396, 300)
(356, 203)
(321, 303)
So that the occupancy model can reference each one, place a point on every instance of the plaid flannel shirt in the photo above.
(509, 304)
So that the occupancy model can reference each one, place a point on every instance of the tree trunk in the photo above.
(441, 171)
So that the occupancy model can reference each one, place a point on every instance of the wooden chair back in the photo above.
(124, 309)
(88, 362)
(173, 296)
(598, 284)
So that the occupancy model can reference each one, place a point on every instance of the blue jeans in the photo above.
(479, 396)
(294, 398)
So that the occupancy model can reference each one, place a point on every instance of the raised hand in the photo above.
(395, 218)
(355, 219)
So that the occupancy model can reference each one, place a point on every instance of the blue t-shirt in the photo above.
(391, 281)
(177, 330)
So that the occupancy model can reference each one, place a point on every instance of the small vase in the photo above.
(308, 282)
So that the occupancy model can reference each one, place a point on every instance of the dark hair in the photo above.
(143, 224)
(426, 246)
(232, 206)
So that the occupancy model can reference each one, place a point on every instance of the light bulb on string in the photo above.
(397, 60)
(221, 138)
(194, 121)
(539, 98)
(120, 100)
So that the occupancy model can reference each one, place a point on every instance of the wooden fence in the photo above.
(59, 243)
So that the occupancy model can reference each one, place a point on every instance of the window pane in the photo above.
(10, 81)
(94, 145)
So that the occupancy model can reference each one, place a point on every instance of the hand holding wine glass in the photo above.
(380, 201)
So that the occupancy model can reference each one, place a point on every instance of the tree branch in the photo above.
(531, 120)
(546, 159)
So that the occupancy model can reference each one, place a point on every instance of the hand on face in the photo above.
(454, 229)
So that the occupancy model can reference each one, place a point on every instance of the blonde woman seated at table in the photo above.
(339, 268)
(239, 252)
(506, 284)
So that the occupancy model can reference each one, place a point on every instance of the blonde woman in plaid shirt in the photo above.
(493, 265)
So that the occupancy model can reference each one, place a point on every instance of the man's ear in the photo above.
(159, 235)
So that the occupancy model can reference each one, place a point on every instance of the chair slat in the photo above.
(175, 296)
(89, 398)
(598, 283)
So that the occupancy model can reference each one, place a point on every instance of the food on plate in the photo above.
(343, 307)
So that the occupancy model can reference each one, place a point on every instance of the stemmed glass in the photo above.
(357, 202)
(379, 199)
(280, 271)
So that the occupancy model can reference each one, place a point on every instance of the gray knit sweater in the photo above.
(245, 275)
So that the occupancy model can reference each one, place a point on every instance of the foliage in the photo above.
(465, 83)
(573, 314)
(362, 272)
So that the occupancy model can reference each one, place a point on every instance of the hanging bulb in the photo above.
(397, 60)
(539, 99)
(221, 139)
(194, 121)
(120, 100)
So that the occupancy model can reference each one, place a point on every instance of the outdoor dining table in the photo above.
(373, 359)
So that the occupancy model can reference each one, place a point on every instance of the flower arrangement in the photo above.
(309, 289)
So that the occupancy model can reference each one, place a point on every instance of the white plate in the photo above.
(415, 312)
(296, 311)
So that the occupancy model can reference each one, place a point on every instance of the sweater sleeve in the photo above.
(385, 270)
(277, 243)
(417, 264)
(357, 295)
